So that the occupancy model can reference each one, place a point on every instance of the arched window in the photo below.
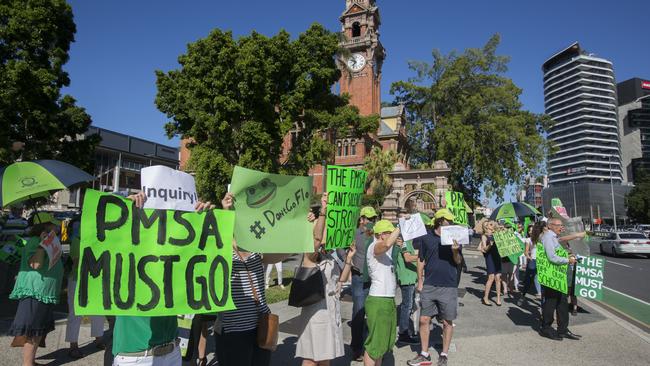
(339, 151)
(356, 29)
(346, 149)
(354, 149)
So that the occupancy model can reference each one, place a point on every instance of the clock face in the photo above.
(356, 62)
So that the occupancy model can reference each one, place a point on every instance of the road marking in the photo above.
(626, 295)
(620, 264)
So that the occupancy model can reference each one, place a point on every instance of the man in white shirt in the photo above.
(380, 305)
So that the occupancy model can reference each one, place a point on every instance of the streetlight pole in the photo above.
(575, 205)
(611, 184)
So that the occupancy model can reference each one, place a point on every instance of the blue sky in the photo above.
(120, 43)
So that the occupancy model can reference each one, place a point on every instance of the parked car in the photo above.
(644, 228)
(627, 242)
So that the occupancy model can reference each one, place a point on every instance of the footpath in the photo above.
(505, 335)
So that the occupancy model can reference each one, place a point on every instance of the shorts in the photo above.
(381, 315)
(441, 302)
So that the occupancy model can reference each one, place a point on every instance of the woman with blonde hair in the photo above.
(492, 262)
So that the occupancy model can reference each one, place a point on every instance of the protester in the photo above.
(406, 258)
(437, 276)
(380, 304)
(321, 338)
(278, 270)
(74, 321)
(535, 233)
(37, 289)
(145, 340)
(236, 330)
(360, 282)
(492, 262)
(555, 301)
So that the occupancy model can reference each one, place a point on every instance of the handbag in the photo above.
(307, 287)
(267, 323)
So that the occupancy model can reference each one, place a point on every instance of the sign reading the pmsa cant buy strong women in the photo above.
(152, 262)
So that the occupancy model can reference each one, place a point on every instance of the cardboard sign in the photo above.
(590, 274)
(412, 228)
(272, 212)
(168, 189)
(549, 274)
(152, 262)
(345, 188)
(456, 204)
(52, 246)
(454, 232)
(507, 243)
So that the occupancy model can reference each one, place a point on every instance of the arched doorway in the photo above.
(420, 200)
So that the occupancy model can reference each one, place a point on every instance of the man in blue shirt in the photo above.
(437, 276)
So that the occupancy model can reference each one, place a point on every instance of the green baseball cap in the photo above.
(443, 212)
(368, 212)
(383, 226)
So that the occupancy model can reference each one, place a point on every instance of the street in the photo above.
(627, 284)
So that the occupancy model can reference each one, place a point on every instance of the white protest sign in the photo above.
(412, 228)
(52, 246)
(168, 189)
(454, 232)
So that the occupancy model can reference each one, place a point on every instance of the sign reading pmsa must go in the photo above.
(147, 262)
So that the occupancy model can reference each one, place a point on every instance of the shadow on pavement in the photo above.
(60, 356)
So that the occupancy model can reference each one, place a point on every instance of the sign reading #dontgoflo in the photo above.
(589, 278)
(168, 188)
(152, 262)
(272, 212)
(507, 243)
(345, 188)
(456, 204)
(550, 274)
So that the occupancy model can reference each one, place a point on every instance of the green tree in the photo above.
(378, 164)
(35, 37)
(462, 109)
(638, 200)
(238, 99)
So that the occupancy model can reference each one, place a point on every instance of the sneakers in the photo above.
(420, 360)
(405, 338)
(442, 360)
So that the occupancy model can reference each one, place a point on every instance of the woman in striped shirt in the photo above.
(236, 330)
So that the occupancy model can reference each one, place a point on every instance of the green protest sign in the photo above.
(549, 274)
(344, 191)
(272, 212)
(456, 204)
(589, 278)
(147, 262)
(507, 243)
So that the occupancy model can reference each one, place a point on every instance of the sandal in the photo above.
(485, 302)
(202, 361)
(498, 303)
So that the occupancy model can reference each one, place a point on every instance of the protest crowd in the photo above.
(169, 280)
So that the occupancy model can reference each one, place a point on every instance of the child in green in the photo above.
(37, 289)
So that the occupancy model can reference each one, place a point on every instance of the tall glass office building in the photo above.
(580, 95)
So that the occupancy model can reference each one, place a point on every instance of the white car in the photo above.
(627, 242)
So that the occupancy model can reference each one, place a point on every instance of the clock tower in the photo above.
(361, 67)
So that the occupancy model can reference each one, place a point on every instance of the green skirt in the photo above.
(381, 316)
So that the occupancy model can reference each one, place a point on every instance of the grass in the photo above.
(275, 293)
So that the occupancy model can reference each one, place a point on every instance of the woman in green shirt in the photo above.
(37, 289)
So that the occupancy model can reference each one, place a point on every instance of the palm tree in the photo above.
(378, 164)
